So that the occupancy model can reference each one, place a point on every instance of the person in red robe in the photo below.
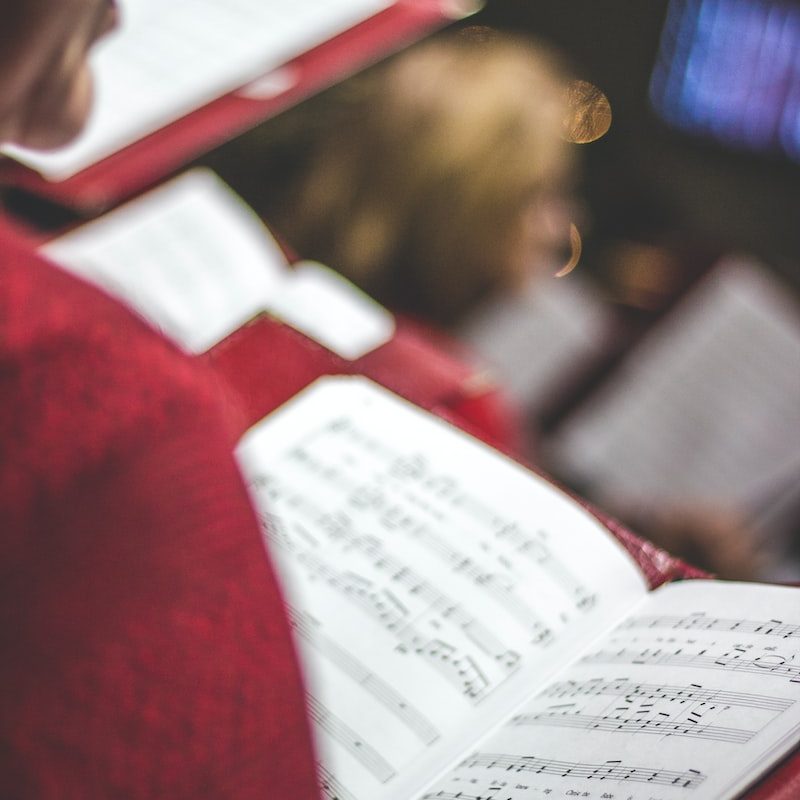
(145, 650)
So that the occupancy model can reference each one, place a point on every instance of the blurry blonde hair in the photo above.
(422, 168)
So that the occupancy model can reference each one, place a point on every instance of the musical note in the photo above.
(415, 469)
(414, 466)
(538, 551)
(460, 669)
(338, 526)
(442, 795)
(498, 586)
(773, 666)
(367, 496)
(701, 622)
(275, 531)
(692, 693)
(380, 603)
(339, 424)
(331, 473)
(370, 758)
(609, 770)
(396, 517)
(368, 443)
(659, 727)
(331, 788)
(404, 493)
(436, 600)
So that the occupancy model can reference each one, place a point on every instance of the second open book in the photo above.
(469, 631)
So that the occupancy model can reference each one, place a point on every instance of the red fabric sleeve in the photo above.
(146, 652)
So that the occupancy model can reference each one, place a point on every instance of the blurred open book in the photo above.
(704, 412)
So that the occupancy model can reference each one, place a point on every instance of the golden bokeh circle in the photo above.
(576, 249)
(588, 113)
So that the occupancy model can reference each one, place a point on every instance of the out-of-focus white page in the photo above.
(190, 257)
(433, 581)
(540, 337)
(169, 58)
(329, 309)
(706, 409)
(693, 696)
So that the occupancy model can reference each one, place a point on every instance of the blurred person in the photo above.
(715, 538)
(145, 648)
(46, 81)
(432, 181)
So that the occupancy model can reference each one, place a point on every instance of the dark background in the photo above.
(642, 180)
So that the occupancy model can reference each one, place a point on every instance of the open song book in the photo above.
(167, 59)
(469, 632)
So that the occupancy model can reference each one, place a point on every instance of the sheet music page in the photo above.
(691, 697)
(706, 409)
(191, 257)
(167, 59)
(433, 581)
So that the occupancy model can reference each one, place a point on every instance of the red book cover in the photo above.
(159, 154)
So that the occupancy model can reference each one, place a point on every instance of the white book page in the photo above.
(328, 308)
(692, 696)
(169, 58)
(190, 257)
(433, 581)
(195, 261)
(707, 408)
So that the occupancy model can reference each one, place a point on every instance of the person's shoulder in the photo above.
(83, 380)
